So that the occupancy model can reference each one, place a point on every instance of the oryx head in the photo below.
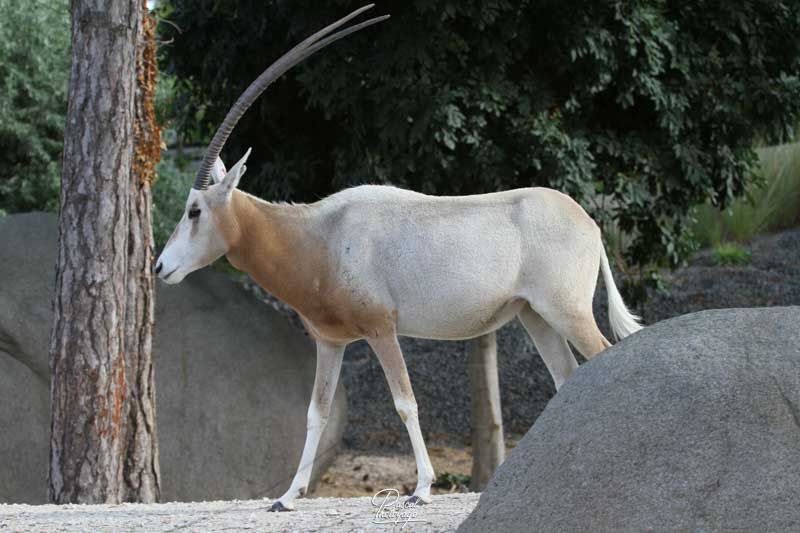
(200, 238)
(203, 234)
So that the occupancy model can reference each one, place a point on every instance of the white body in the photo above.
(375, 262)
(459, 267)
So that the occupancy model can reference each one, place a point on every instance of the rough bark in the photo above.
(89, 385)
(488, 447)
(141, 472)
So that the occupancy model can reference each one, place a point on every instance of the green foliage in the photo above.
(164, 104)
(639, 110)
(452, 482)
(34, 72)
(730, 254)
(171, 102)
(169, 197)
(771, 203)
(780, 167)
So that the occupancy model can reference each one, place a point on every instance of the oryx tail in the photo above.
(623, 322)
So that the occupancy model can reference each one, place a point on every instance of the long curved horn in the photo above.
(312, 44)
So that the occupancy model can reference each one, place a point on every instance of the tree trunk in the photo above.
(488, 447)
(141, 469)
(89, 385)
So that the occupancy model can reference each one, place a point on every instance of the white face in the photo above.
(197, 240)
(195, 243)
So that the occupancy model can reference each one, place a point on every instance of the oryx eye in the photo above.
(194, 212)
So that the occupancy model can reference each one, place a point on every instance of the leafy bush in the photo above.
(730, 254)
(169, 197)
(639, 110)
(34, 72)
(771, 203)
(452, 482)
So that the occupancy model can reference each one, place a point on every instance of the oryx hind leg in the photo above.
(329, 364)
(390, 356)
(578, 326)
(552, 347)
(564, 293)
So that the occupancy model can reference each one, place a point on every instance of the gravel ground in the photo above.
(770, 278)
(438, 370)
(445, 513)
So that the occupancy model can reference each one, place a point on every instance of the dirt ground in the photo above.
(364, 473)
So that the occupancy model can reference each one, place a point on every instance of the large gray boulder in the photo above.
(692, 424)
(233, 380)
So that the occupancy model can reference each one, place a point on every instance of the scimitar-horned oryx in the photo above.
(375, 262)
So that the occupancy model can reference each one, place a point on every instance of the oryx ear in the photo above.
(231, 179)
(218, 171)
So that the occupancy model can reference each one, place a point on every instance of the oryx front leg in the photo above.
(329, 363)
(388, 351)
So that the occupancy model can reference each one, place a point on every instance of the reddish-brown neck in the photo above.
(275, 244)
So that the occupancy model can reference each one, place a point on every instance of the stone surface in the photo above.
(692, 424)
(233, 380)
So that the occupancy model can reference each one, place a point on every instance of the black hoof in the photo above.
(415, 501)
(278, 507)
